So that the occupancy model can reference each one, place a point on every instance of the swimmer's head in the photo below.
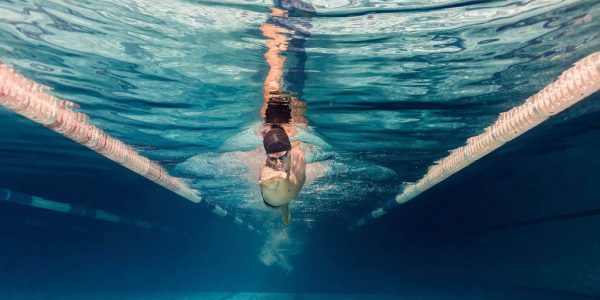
(276, 140)
(277, 146)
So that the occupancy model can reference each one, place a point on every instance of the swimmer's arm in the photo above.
(270, 179)
(298, 168)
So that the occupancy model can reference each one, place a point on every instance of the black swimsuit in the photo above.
(269, 205)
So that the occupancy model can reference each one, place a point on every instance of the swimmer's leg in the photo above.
(285, 213)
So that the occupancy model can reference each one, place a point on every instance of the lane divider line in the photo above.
(10, 196)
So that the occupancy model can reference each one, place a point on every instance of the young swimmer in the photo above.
(283, 173)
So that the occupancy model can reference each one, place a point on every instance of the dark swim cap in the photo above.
(276, 140)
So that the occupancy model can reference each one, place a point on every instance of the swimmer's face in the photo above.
(280, 161)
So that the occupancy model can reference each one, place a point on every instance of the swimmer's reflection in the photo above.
(284, 171)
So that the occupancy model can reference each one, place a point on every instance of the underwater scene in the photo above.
(299, 149)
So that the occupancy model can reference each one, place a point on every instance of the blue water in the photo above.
(390, 87)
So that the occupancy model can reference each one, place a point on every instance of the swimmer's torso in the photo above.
(285, 186)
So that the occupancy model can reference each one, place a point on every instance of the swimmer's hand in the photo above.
(273, 178)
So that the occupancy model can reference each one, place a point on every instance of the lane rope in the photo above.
(31, 100)
(572, 86)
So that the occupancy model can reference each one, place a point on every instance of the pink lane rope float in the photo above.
(29, 99)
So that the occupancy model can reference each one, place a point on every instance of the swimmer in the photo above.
(283, 173)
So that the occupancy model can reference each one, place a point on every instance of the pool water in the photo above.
(390, 87)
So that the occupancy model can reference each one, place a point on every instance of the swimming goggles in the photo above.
(272, 157)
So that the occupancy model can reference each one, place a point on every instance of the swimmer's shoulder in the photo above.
(297, 149)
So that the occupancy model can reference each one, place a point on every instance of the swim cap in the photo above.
(276, 140)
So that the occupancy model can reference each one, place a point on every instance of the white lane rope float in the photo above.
(29, 99)
(573, 85)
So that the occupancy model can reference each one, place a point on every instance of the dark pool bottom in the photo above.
(468, 295)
